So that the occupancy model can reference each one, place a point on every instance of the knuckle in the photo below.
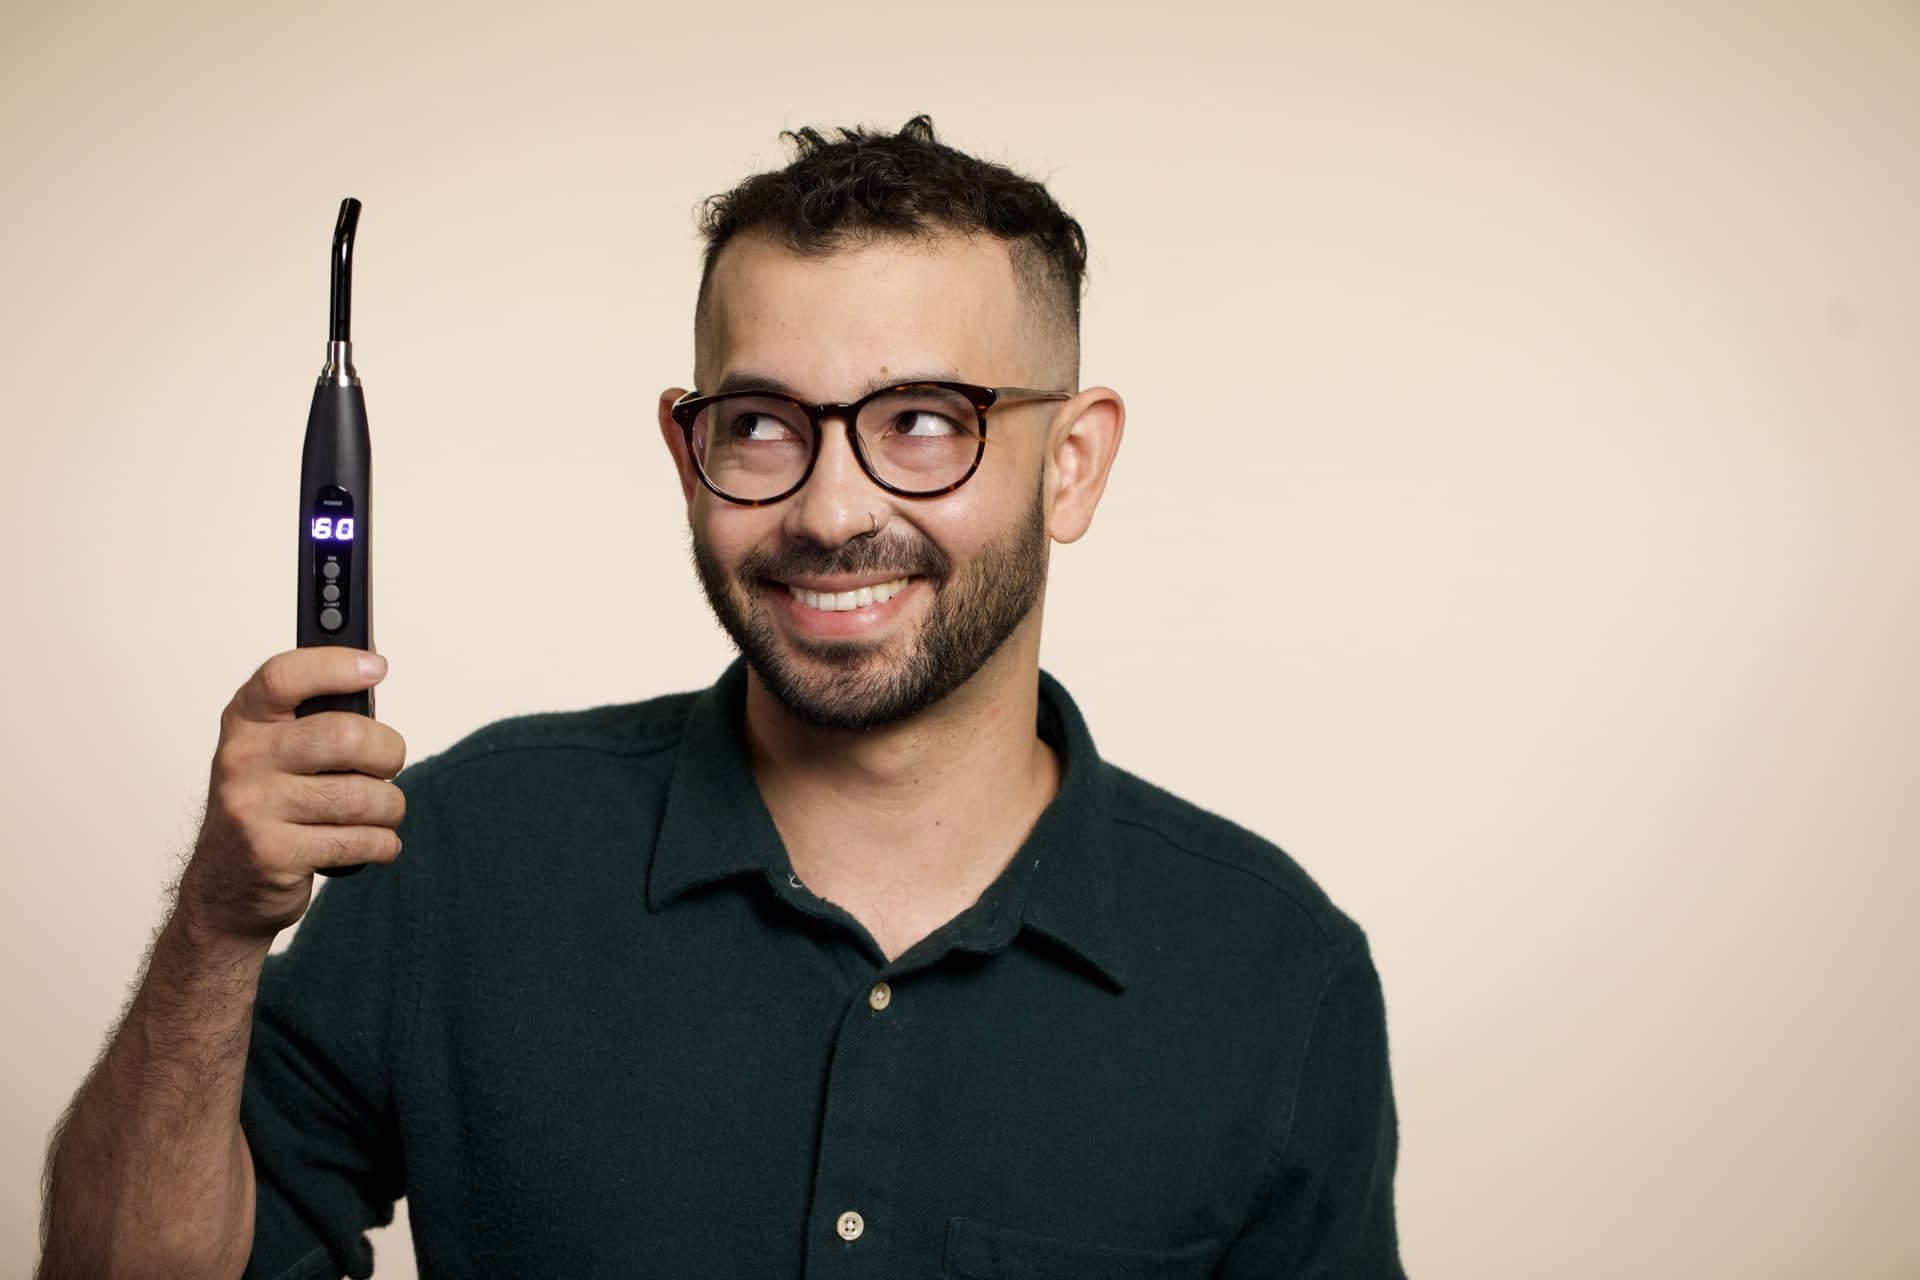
(330, 846)
(275, 679)
(246, 751)
(235, 802)
(326, 796)
(314, 739)
(299, 740)
(232, 758)
(344, 733)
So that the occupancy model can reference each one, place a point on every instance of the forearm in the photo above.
(150, 1174)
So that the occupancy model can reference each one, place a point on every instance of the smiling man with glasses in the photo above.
(1091, 1029)
(860, 962)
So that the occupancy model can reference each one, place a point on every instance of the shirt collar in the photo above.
(715, 826)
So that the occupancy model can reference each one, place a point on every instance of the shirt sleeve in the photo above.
(1328, 1209)
(317, 1105)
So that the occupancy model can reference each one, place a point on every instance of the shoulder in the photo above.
(612, 732)
(1178, 843)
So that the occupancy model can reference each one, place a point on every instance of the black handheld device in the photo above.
(336, 497)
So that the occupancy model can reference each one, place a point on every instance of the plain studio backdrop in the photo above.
(1515, 520)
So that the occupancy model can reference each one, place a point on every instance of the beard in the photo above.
(975, 607)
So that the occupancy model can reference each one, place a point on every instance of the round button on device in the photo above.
(330, 593)
(851, 1225)
(330, 619)
(331, 569)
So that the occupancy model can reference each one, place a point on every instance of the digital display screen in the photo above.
(333, 528)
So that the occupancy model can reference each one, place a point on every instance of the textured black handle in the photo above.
(361, 703)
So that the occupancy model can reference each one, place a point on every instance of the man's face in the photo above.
(973, 562)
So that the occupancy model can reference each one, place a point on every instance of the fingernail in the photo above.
(372, 664)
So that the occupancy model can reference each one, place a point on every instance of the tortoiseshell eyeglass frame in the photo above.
(688, 407)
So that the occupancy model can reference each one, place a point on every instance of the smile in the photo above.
(846, 601)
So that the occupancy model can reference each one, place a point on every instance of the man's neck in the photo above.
(911, 820)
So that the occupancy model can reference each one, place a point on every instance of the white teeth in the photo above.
(841, 601)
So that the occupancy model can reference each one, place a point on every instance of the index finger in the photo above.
(288, 679)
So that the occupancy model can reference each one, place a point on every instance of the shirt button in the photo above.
(881, 996)
(851, 1225)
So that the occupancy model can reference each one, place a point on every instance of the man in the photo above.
(859, 963)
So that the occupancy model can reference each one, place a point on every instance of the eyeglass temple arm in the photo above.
(1014, 395)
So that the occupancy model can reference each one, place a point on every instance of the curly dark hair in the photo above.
(868, 185)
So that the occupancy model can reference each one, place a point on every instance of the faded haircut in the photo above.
(866, 185)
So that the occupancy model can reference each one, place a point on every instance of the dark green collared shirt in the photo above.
(591, 1025)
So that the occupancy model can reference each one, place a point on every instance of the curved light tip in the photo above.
(342, 300)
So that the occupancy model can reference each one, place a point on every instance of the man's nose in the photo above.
(836, 502)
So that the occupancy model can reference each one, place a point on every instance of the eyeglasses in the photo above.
(918, 439)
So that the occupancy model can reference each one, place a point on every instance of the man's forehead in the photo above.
(751, 260)
(905, 307)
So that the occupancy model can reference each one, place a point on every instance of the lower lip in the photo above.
(842, 623)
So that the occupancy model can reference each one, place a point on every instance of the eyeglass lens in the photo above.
(921, 439)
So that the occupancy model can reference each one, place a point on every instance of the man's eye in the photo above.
(923, 423)
(758, 426)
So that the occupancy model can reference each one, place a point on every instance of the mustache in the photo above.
(897, 558)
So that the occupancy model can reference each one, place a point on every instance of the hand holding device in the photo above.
(292, 795)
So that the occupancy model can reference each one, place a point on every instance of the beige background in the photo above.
(1515, 520)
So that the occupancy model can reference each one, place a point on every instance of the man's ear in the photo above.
(1080, 452)
(677, 445)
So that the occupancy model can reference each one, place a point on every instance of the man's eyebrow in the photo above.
(742, 381)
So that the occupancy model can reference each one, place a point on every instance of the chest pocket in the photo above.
(978, 1251)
